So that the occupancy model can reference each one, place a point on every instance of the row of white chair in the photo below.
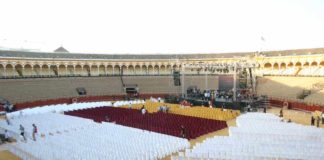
(46, 123)
(262, 136)
(102, 141)
(59, 108)
(307, 71)
(123, 103)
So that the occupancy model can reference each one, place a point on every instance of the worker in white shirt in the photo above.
(143, 111)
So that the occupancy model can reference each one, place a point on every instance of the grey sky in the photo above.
(165, 26)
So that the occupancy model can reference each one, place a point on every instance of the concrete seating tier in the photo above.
(286, 87)
(25, 90)
(32, 89)
(57, 108)
(316, 98)
(313, 71)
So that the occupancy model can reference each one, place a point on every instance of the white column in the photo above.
(5, 71)
(49, 69)
(32, 71)
(158, 70)
(23, 71)
(73, 70)
(66, 70)
(41, 70)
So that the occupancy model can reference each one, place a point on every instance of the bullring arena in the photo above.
(170, 106)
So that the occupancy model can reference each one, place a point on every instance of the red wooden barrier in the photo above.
(296, 105)
(70, 100)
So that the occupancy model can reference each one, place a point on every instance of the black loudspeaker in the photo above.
(81, 91)
(251, 77)
(176, 78)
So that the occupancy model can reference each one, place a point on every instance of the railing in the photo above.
(70, 100)
(100, 75)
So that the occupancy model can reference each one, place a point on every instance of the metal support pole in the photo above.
(254, 82)
(182, 82)
(234, 81)
(206, 81)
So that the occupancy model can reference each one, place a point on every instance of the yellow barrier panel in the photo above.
(201, 112)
